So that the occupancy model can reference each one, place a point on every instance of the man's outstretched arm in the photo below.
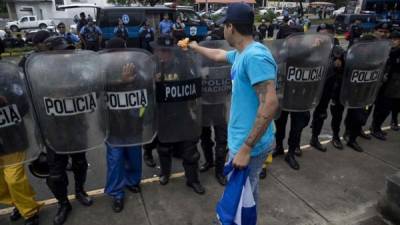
(218, 55)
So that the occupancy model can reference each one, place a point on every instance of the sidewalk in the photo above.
(336, 187)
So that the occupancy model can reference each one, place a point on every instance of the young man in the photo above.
(70, 37)
(254, 100)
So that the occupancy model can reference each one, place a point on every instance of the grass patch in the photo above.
(16, 51)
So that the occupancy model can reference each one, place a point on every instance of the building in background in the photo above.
(46, 9)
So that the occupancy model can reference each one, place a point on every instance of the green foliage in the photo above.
(3, 8)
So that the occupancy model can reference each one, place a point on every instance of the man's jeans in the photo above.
(255, 166)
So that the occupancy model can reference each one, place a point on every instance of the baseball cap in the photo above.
(240, 13)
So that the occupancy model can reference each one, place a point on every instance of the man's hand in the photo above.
(193, 44)
(128, 72)
(242, 158)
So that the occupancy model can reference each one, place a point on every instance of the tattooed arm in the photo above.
(266, 110)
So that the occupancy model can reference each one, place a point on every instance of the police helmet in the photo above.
(395, 34)
(39, 167)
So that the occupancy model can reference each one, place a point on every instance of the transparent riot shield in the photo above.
(68, 95)
(130, 96)
(363, 74)
(305, 67)
(178, 95)
(18, 143)
(216, 86)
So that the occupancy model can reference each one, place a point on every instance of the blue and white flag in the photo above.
(237, 205)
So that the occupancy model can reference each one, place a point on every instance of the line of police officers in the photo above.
(178, 113)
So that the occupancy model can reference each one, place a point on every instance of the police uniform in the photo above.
(298, 120)
(57, 180)
(330, 92)
(383, 104)
(207, 144)
(91, 36)
(176, 68)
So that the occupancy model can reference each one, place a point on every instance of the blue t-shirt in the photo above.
(253, 65)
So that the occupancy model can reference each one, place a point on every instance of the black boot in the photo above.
(197, 188)
(355, 146)
(118, 205)
(206, 166)
(164, 180)
(365, 135)
(221, 179)
(337, 143)
(278, 151)
(298, 152)
(34, 220)
(64, 209)
(84, 198)
(378, 134)
(15, 215)
(314, 142)
(291, 160)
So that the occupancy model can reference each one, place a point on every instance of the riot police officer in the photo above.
(299, 120)
(331, 92)
(355, 32)
(388, 95)
(57, 180)
(178, 114)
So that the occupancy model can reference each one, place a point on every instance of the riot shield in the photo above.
(216, 86)
(17, 126)
(178, 92)
(392, 89)
(130, 96)
(276, 47)
(363, 73)
(67, 88)
(307, 60)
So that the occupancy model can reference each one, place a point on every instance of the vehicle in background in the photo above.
(339, 11)
(28, 22)
(344, 21)
(134, 17)
(275, 10)
(220, 12)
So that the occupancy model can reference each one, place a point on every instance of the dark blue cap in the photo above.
(240, 13)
